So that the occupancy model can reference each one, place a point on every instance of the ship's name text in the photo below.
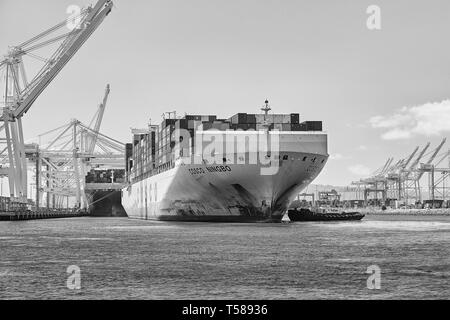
(222, 169)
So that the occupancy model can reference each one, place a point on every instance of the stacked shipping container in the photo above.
(152, 150)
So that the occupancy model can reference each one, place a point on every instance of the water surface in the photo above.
(131, 259)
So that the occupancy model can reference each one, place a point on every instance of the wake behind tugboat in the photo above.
(303, 214)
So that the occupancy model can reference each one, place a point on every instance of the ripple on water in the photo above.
(392, 225)
(122, 258)
(146, 227)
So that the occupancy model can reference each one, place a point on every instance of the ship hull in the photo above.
(227, 192)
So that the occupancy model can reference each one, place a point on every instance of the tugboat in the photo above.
(303, 214)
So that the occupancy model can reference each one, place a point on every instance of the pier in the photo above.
(41, 214)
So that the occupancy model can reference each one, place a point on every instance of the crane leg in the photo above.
(12, 171)
(21, 145)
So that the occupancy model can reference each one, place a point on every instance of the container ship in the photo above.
(247, 168)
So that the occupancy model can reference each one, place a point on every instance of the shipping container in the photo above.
(240, 118)
(194, 124)
(225, 126)
(215, 126)
(299, 127)
(243, 126)
(182, 124)
(282, 118)
(251, 119)
(168, 122)
(278, 126)
(259, 118)
(193, 117)
(128, 156)
(313, 125)
(273, 118)
(260, 127)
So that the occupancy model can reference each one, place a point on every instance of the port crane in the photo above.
(20, 93)
(432, 157)
(402, 180)
(426, 166)
(409, 179)
(396, 177)
(439, 185)
(68, 153)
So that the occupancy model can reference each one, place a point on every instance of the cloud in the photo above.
(363, 147)
(339, 156)
(336, 156)
(430, 119)
(360, 170)
(397, 134)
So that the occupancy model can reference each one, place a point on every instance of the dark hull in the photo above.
(307, 215)
(107, 204)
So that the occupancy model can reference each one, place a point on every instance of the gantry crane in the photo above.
(66, 154)
(409, 179)
(395, 181)
(20, 94)
(416, 161)
(425, 167)
(439, 185)
(432, 157)
(397, 177)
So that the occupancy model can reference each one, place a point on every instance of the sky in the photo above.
(380, 93)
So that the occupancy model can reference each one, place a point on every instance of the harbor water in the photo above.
(130, 259)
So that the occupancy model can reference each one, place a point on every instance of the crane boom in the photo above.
(386, 167)
(394, 167)
(416, 161)
(380, 170)
(102, 109)
(433, 156)
(404, 165)
(64, 53)
(98, 122)
(436, 151)
(21, 94)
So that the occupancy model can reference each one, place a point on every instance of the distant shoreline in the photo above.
(414, 212)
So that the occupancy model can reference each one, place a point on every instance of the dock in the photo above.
(39, 215)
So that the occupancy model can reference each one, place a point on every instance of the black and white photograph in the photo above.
(223, 156)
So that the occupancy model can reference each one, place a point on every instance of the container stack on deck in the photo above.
(152, 150)
(280, 122)
(105, 176)
(141, 154)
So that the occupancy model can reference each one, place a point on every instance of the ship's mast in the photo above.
(266, 108)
